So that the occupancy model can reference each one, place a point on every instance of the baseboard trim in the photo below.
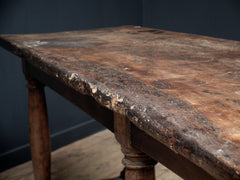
(21, 154)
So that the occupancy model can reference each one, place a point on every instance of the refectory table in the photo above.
(168, 97)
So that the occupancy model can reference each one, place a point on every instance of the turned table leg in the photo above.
(39, 130)
(138, 166)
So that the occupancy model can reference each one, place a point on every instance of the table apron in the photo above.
(139, 139)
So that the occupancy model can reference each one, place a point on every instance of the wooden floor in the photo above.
(95, 157)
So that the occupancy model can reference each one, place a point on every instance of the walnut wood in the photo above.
(180, 89)
(39, 130)
(138, 165)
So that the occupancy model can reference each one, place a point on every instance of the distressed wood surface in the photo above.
(181, 89)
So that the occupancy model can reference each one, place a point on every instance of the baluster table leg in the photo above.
(138, 165)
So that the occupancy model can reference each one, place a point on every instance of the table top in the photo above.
(181, 89)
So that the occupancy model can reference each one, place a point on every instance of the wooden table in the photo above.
(167, 96)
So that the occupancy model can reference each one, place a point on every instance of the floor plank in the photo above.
(95, 157)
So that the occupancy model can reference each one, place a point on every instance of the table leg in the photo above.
(138, 166)
(39, 130)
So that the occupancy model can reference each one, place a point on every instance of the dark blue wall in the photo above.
(218, 18)
(67, 123)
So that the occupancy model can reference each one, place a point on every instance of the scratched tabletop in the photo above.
(181, 89)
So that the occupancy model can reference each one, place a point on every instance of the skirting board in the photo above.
(21, 154)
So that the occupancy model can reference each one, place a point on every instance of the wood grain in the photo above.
(181, 89)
